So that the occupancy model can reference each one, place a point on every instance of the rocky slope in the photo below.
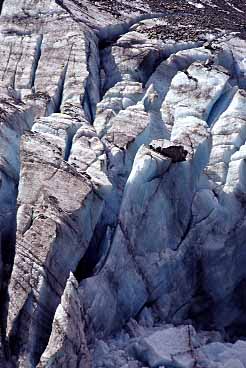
(123, 184)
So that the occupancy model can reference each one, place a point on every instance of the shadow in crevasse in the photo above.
(146, 61)
(1, 5)
(8, 240)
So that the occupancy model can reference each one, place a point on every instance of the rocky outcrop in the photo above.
(175, 153)
(122, 162)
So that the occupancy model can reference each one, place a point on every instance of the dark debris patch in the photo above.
(186, 21)
(175, 153)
